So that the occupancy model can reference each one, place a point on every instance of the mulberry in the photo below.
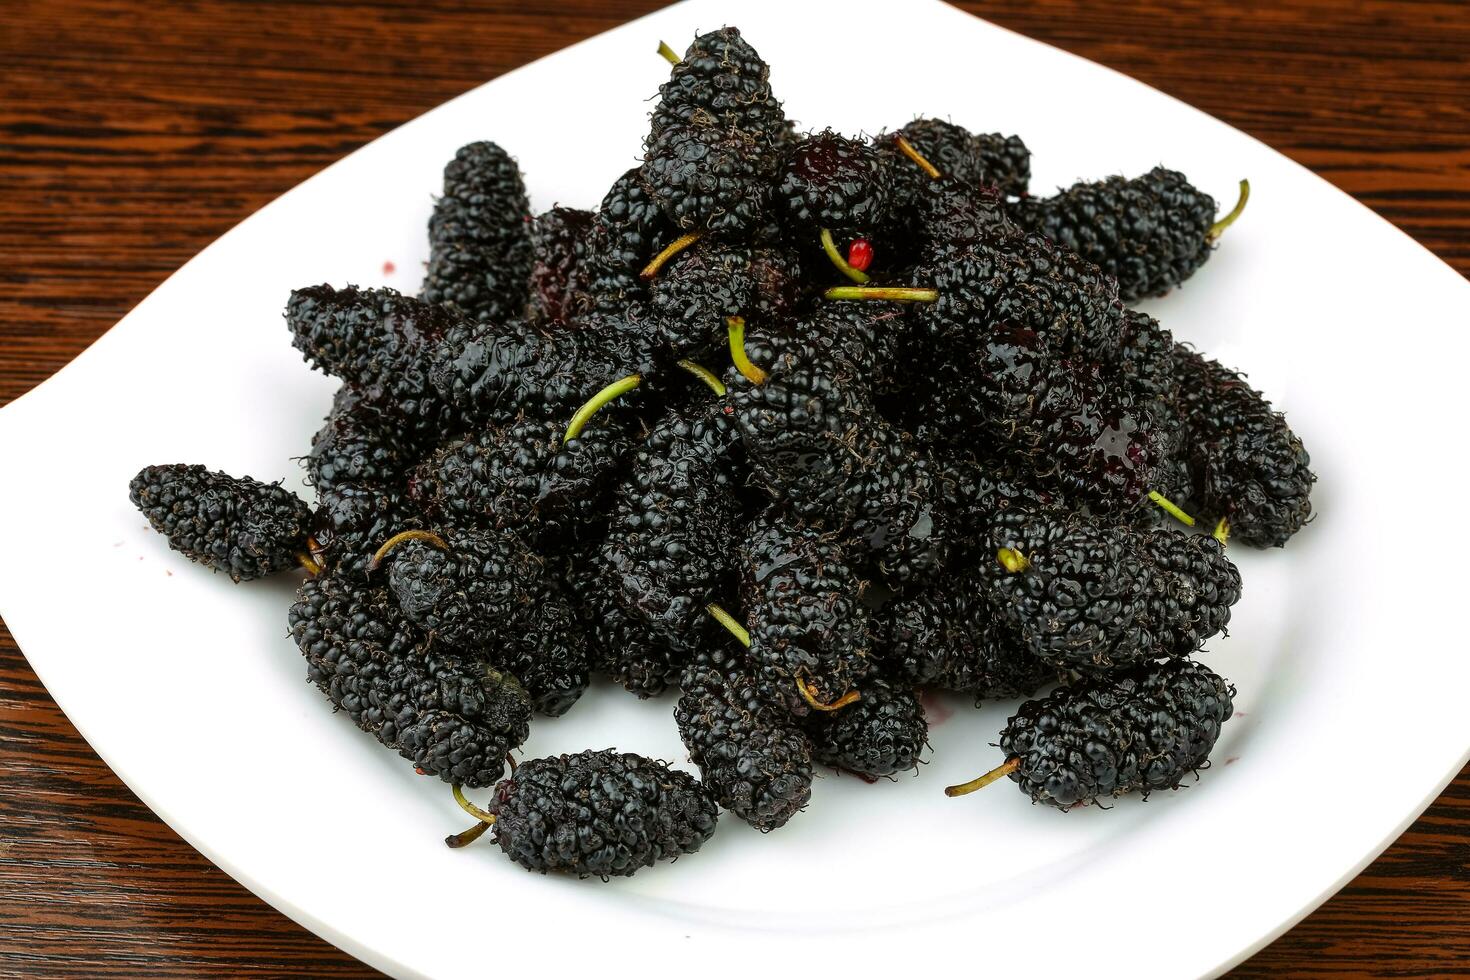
(952, 636)
(523, 477)
(883, 734)
(753, 756)
(829, 181)
(451, 716)
(483, 591)
(714, 148)
(666, 548)
(236, 525)
(1150, 233)
(1139, 730)
(356, 444)
(1246, 466)
(808, 629)
(558, 245)
(600, 814)
(480, 253)
(1088, 597)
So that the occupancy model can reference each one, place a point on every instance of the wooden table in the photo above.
(132, 134)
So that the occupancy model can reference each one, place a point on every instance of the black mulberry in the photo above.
(480, 236)
(451, 716)
(602, 814)
(235, 525)
(1139, 730)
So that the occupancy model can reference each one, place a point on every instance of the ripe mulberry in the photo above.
(1139, 730)
(480, 236)
(450, 715)
(1150, 233)
(1245, 463)
(236, 525)
(523, 477)
(600, 814)
(753, 756)
(801, 597)
(484, 592)
(558, 245)
(667, 548)
(880, 735)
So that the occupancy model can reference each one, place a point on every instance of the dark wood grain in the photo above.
(133, 134)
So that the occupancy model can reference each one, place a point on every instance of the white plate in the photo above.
(1348, 648)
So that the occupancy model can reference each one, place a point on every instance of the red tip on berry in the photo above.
(860, 254)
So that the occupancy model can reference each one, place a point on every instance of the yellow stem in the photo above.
(1012, 560)
(1222, 531)
(307, 562)
(810, 698)
(401, 537)
(484, 816)
(672, 249)
(668, 53)
(980, 782)
(907, 149)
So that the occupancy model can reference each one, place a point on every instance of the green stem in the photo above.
(735, 326)
(980, 782)
(595, 404)
(703, 374)
(1222, 531)
(1229, 219)
(726, 620)
(484, 816)
(1170, 507)
(668, 53)
(901, 294)
(843, 266)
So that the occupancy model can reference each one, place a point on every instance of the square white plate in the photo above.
(1347, 648)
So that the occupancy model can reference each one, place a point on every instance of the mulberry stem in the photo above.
(907, 149)
(735, 326)
(401, 537)
(726, 620)
(668, 53)
(843, 266)
(484, 816)
(310, 564)
(980, 782)
(703, 374)
(1218, 227)
(1222, 531)
(901, 294)
(1170, 508)
(810, 698)
(597, 402)
(1012, 560)
(467, 837)
(672, 249)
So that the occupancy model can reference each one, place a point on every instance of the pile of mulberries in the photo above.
(788, 431)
